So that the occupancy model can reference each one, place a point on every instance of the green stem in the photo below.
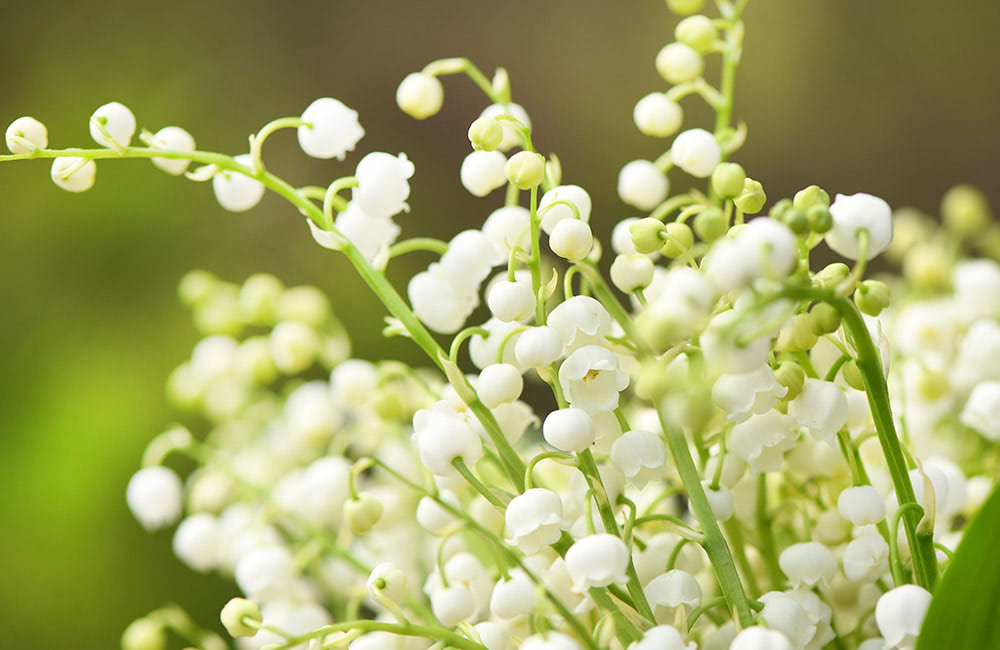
(768, 548)
(418, 244)
(402, 629)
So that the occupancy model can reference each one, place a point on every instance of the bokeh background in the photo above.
(895, 97)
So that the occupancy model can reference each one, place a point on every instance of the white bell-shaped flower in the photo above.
(597, 561)
(900, 613)
(453, 604)
(724, 353)
(511, 301)
(26, 134)
(569, 429)
(353, 382)
(235, 191)
(513, 597)
(861, 505)
(483, 350)
(821, 409)
(673, 589)
(640, 455)
(537, 347)
(498, 384)
(514, 418)
(435, 518)
(761, 638)
(982, 410)
(747, 393)
(173, 138)
(642, 185)
(437, 303)
(507, 228)
(469, 259)
(720, 500)
(662, 637)
(764, 248)
(580, 321)
(762, 440)
(495, 636)
(550, 641)
(866, 559)
(370, 234)
(155, 497)
(697, 152)
(388, 580)
(383, 183)
(591, 379)
(196, 541)
(117, 121)
(786, 615)
(511, 133)
(808, 563)
(534, 519)
(977, 288)
(678, 63)
(266, 573)
(420, 95)
(875, 643)
(571, 239)
(443, 435)
(331, 129)
(854, 213)
(482, 172)
(632, 272)
(82, 178)
(657, 115)
(552, 212)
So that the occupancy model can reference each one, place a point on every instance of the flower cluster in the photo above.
(719, 448)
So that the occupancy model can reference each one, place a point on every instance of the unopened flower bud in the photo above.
(330, 129)
(832, 274)
(173, 138)
(928, 266)
(872, 297)
(852, 375)
(760, 638)
(144, 634)
(642, 185)
(538, 346)
(236, 191)
(678, 63)
(932, 385)
(525, 169)
(853, 214)
(362, 513)
(696, 32)
(778, 209)
(679, 240)
(728, 179)
(454, 604)
(420, 95)
(33, 132)
(80, 180)
(241, 617)
(632, 272)
(685, 7)
(597, 561)
(499, 383)
(796, 220)
(657, 115)
(790, 375)
(485, 134)
(388, 580)
(819, 219)
(647, 235)
(571, 239)
(900, 613)
(483, 171)
(965, 210)
(697, 152)
(294, 346)
(112, 125)
(710, 224)
(796, 335)
(861, 505)
(809, 197)
(808, 563)
(570, 429)
(511, 301)
(751, 200)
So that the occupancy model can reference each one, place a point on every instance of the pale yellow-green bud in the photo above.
(710, 224)
(525, 169)
(810, 196)
(790, 375)
(832, 274)
(305, 304)
(679, 240)
(697, 32)
(909, 227)
(685, 7)
(197, 286)
(928, 267)
(220, 314)
(752, 199)
(728, 179)
(933, 385)
(144, 634)
(660, 331)
(647, 235)
(241, 617)
(852, 375)
(632, 272)
(362, 513)
(819, 218)
(485, 134)
(989, 242)
(823, 319)
(654, 380)
(258, 296)
(796, 220)
(796, 335)
(389, 405)
(872, 297)
(965, 210)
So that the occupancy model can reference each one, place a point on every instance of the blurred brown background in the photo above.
(899, 98)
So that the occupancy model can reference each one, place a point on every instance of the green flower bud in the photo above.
(928, 267)
(144, 634)
(647, 235)
(525, 170)
(258, 296)
(728, 179)
(823, 319)
(820, 219)
(685, 7)
(697, 32)
(305, 304)
(362, 512)
(779, 209)
(852, 375)
(832, 274)
(933, 385)
(710, 224)
(680, 239)
(790, 375)
(796, 220)
(241, 617)
(659, 330)
(389, 405)
(796, 335)
(197, 286)
(485, 134)
(220, 314)
(654, 381)
(809, 197)
(965, 210)
(752, 199)
(872, 297)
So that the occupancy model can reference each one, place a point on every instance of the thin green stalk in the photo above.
(768, 549)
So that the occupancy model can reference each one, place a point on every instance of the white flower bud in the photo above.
(383, 183)
(591, 379)
(388, 580)
(331, 129)
(525, 169)
(720, 500)
(196, 541)
(537, 347)
(443, 435)
(514, 597)
(550, 641)
(483, 171)
(821, 408)
(420, 95)
(453, 604)
(494, 635)
(808, 563)
(362, 513)
(29, 129)
(117, 120)
(353, 382)
(511, 301)
(764, 248)
(861, 505)
(662, 637)
(265, 573)
(534, 519)
(498, 384)
(569, 429)
(237, 192)
(507, 228)
(696, 31)
(876, 643)
(553, 213)
(673, 589)
(621, 237)
(678, 63)
(511, 132)
(241, 617)
(900, 613)
(866, 559)
(571, 239)
(80, 180)
(485, 134)
(155, 497)
(696, 152)
(438, 303)
(597, 561)
(144, 634)
(784, 614)
(761, 638)
(640, 455)
(642, 185)
(294, 346)
(173, 138)
(469, 259)
(854, 213)
(433, 517)
(982, 410)
(632, 272)
(747, 393)
(657, 115)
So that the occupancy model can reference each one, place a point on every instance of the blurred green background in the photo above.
(894, 97)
